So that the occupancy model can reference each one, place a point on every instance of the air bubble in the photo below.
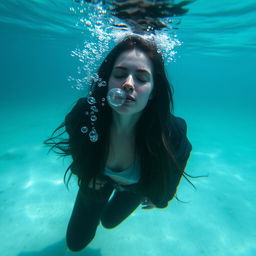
(93, 118)
(102, 84)
(88, 23)
(94, 109)
(91, 100)
(95, 77)
(116, 97)
(93, 135)
(84, 129)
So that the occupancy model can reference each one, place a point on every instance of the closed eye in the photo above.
(118, 73)
(139, 78)
(119, 76)
(143, 77)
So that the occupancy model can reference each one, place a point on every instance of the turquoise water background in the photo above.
(214, 82)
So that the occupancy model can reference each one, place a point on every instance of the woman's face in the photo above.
(132, 72)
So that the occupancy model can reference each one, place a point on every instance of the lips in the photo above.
(128, 97)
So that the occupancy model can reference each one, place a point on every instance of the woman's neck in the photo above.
(124, 124)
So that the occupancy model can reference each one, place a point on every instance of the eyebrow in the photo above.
(140, 69)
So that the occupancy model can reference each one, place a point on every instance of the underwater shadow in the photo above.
(60, 249)
(11, 156)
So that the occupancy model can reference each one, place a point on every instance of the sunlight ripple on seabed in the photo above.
(31, 183)
(36, 206)
(210, 155)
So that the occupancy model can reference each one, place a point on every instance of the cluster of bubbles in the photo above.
(93, 21)
(166, 43)
(115, 97)
(98, 26)
(93, 135)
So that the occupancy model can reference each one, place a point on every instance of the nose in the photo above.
(128, 85)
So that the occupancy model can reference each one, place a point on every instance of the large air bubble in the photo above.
(116, 97)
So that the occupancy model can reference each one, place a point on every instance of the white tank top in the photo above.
(128, 176)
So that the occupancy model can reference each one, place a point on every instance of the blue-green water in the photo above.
(215, 87)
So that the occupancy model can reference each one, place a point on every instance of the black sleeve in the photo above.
(182, 146)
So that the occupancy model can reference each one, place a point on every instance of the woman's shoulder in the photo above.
(177, 128)
(179, 124)
(178, 137)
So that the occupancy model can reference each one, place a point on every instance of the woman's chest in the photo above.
(121, 154)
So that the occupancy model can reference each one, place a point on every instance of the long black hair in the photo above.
(160, 171)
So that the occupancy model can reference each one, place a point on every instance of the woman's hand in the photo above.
(147, 203)
(99, 184)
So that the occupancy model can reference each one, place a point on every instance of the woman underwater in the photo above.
(141, 150)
